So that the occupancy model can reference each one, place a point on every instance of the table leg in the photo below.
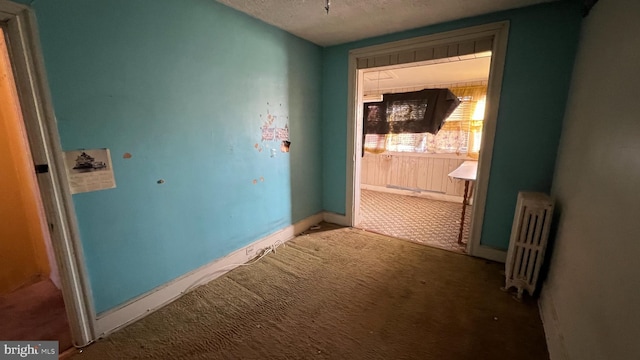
(464, 209)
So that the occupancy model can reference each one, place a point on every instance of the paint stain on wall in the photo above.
(127, 156)
(274, 128)
(255, 181)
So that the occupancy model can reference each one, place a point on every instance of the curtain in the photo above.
(411, 112)
(460, 133)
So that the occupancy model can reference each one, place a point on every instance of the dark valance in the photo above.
(412, 112)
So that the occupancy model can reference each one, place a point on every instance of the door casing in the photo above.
(35, 101)
(498, 32)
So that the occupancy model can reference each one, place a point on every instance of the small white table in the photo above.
(467, 171)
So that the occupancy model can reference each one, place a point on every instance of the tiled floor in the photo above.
(35, 312)
(430, 222)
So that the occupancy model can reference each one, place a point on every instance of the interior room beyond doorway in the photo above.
(406, 190)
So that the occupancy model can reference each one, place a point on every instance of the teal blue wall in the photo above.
(539, 61)
(183, 86)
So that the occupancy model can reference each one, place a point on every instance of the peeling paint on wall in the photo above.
(270, 133)
(275, 128)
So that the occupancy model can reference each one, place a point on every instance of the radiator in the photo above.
(529, 236)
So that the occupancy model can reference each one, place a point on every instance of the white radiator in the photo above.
(529, 235)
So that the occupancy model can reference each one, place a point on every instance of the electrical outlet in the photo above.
(250, 250)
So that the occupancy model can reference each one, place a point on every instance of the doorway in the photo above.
(406, 190)
(460, 43)
(36, 150)
(31, 301)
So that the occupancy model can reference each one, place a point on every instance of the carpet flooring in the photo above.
(430, 222)
(341, 294)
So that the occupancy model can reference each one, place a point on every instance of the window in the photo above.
(460, 133)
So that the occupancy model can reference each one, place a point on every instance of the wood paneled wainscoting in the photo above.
(423, 175)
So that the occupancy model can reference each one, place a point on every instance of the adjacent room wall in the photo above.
(590, 299)
(22, 248)
(184, 87)
(539, 60)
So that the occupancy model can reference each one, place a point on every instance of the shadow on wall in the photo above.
(305, 127)
(553, 234)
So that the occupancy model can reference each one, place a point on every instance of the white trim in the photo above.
(494, 89)
(354, 142)
(499, 32)
(44, 143)
(334, 218)
(155, 299)
(447, 37)
(420, 194)
(549, 316)
(490, 253)
(8, 9)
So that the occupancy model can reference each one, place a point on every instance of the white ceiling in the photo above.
(350, 20)
(446, 72)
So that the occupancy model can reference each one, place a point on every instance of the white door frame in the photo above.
(499, 32)
(37, 111)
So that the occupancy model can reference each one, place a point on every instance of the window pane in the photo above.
(407, 142)
(374, 143)
(460, 133)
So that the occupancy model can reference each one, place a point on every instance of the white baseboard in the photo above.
(334, 218)
(489, 253)
(549, 316)
(161, 296)
(420, 194)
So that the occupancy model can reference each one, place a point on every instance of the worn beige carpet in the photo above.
(341, 294)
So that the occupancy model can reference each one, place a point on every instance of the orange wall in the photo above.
(23, 257)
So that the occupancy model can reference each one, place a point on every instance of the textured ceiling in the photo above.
(350, 20)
